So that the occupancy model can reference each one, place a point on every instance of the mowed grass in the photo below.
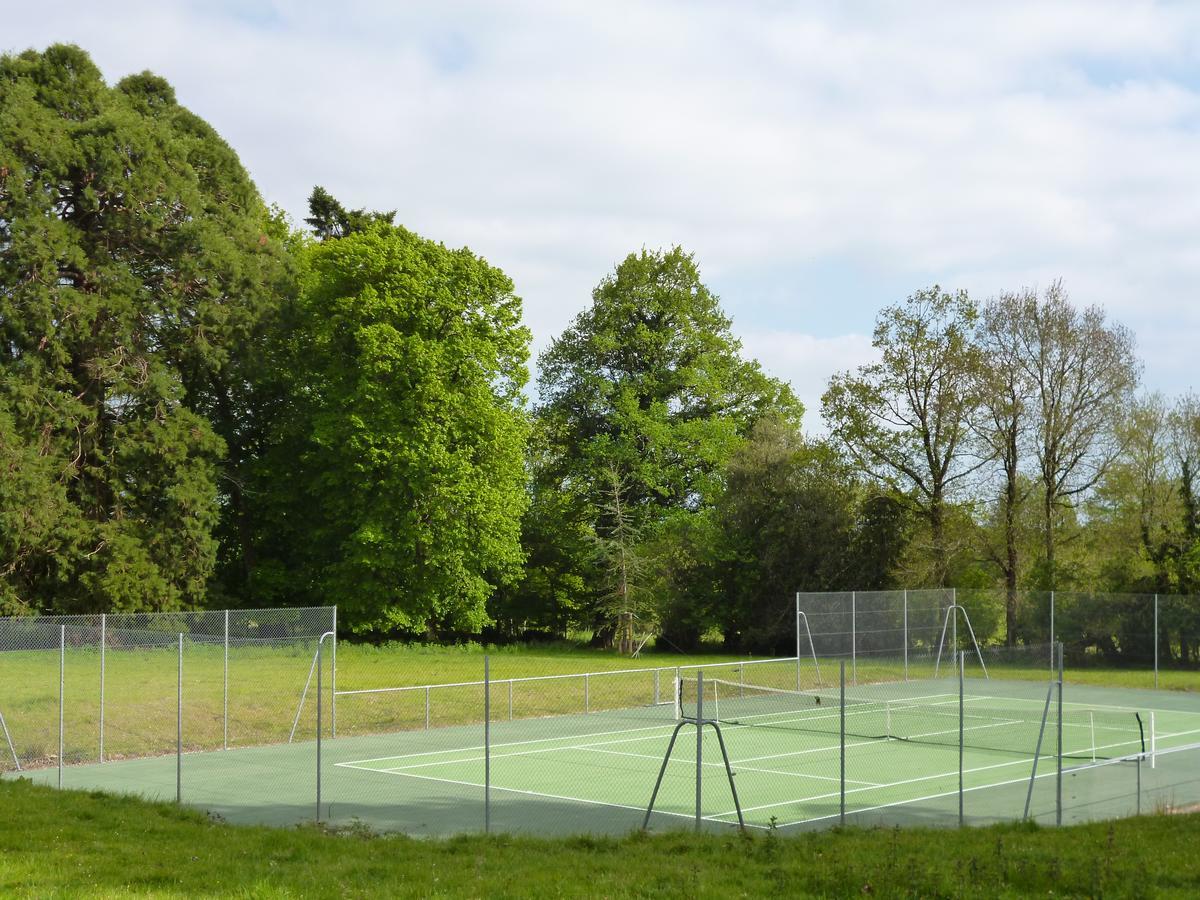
(266, 683)
(73, 844)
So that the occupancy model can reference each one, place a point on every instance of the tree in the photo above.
(329, 219)
(134, 247)
(394, 483)
(1005, 393)
(907, 419)
(1084, 372)
(649, 383)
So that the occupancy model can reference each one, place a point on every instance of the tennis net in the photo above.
(989, 723)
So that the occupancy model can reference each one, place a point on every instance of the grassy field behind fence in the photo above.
(73, 844)
(266, 683)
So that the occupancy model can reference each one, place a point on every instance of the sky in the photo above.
(821, 160)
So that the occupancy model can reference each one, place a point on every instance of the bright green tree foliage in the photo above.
(131, 244)
(648, 386)
(396, 483)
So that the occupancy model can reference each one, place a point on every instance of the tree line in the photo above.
(204, 404)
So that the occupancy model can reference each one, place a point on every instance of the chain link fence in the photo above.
(245, 714)
(1150, 633)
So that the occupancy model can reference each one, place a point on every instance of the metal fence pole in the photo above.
(1058, 786)
(225, 686)
(854, 636)
(1053, 640)
(1155, 643)
(320, 705)
(333, 679)
(797, 617)
(699, 742)
(962, 664)
(179, 727)
(954, 625)
(842, 742)
(487, 745)
(103, 643)
(62, 678)
(906, 635)
(587, 695)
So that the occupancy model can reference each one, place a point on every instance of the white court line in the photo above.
(1028, 761)
(561, 737)
(739, 768)
(496, 787)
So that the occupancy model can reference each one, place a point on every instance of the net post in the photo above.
(179, 727)
(1058, 781)
(62, 679)
(842, 742)
(487, 745)
(699, 742)
(103, 661)
(1153, 742)
(333, 678)
(906, 634)
(854, 636)
(961, 732)
(1155, 647)
(225, 687)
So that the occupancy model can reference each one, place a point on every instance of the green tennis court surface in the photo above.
(595, 772)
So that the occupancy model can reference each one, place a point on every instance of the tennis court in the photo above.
(595, 771)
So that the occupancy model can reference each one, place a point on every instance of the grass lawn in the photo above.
(69, 844)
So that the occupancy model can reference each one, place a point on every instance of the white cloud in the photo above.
(980, 145)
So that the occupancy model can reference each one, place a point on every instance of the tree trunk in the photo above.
(1048, 537)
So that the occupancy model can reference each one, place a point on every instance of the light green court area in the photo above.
(594, 773)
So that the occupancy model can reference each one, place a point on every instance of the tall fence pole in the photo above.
(62, 679)
(797, 617)
(103, 643)
(1053, 640)
(962, 664)
(179, 727)
(1058, 785)
(1156, 641)
(954, 624)
(842, 742)
(854, 636)
(225, 687)
(320, 707)
(487, 745)
(699, 743)
(906, 635)
(333, 680)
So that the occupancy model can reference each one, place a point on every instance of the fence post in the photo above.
(699, 743)
(1155, 645)
(842, 742)
(333, 680)
(225, 686)
(487, 745)
(854, 636)
(1053, 640)
(797, 617)
(179, 727)
(962, 664)
(62, 677)
(320, 704)
(1058, 784)
(954, 623)
(103, 642)
(906, 635)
